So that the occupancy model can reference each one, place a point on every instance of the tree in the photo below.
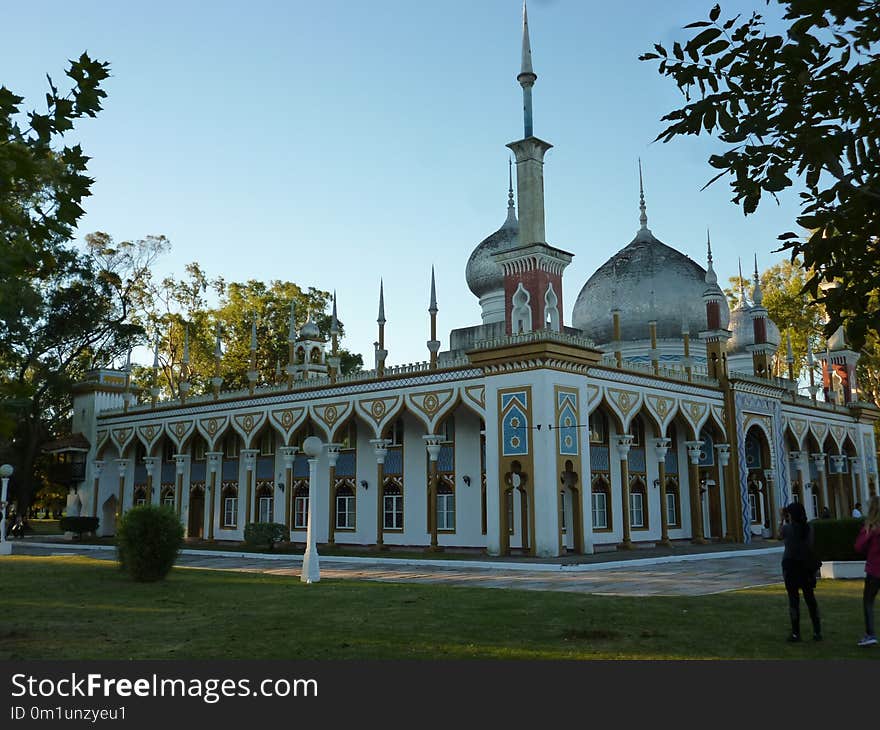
(167, 309)
(802, 107)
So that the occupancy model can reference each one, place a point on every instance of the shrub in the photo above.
(148, 539)
(79, 525)
(264, 534)
(834, 539)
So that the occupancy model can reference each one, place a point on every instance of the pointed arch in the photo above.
(212, 429)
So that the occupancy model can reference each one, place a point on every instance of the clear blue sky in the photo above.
(333, 142)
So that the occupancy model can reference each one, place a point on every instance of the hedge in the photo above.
(834, 539)
(265, 534)
(148, 540)
(79, 525)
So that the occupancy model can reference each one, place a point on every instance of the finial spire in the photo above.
(643, 214)
(711, 276)
(527, 75)
(156, 352)
(185, 359)
(432, 308)
(218, 352)
(254, 333)
(334, 321)
(789, 353)
(757, 294)
(742, 282)
(511, 221)
(381, 318)
(291, 325)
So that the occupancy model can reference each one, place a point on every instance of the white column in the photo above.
(723, 460)
(858, 489)
(311, 569)
(150, 464)
(5, 473)
(661, 447)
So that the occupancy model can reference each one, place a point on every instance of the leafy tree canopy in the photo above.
(801, 109)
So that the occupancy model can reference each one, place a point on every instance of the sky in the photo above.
(332, 143)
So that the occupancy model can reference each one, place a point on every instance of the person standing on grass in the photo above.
(798, 571)
(868, 542)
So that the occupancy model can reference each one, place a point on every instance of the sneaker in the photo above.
(793, 638)
(868, 641)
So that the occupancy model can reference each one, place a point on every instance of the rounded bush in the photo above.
(148, 539)
(264, 534)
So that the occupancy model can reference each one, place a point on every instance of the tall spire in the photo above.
(643, 214)
(433, 343)
(334, 321)
(527, 75)
(254, 333)
(432, 308)
(185, 359)
(757, 294)
(381, 319)
(511, 209)
(711, 276)
(742, 284)
(291, 325)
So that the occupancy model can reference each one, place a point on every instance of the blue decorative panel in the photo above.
(446, 461)
(599, 458)
(753, 453)
(671, 461)
(707, 454)
(169, 472)
(345, 465)
(637, 460)
(301, 466)
(567, 424)
(515, 430)
(521, 396)
(394, 461)
(197, 471)
(230, 470)
(266, 467)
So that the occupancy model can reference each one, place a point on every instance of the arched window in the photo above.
(673, 509)
(265, 502)
(598, 428)
(316, 355)
(393, 506)
(602, 519)
(345, 507)
(229, 504)
(445, 504)
(301, 505)
(638, 505)
(140, 496)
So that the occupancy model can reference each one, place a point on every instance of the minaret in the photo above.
(217, 380)
(154, 389)
(715, 336)
(126, 396)
(839, 360)
(532, 270)
(811, 365)
(252, 374)
(291, 342)
(762, 351)
(433, 343)
(381, 352)
(644, 232)
(333, 360)
(789, 355)
(184, 367)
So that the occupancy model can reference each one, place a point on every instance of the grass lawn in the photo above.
(80, 608)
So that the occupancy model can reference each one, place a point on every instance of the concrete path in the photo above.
(689, 575)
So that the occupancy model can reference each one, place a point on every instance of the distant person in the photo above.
(826, 513)
(857, 511)
(868, 542)
(798, 570)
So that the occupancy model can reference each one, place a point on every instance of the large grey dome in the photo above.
(483, 274)
(629, 276)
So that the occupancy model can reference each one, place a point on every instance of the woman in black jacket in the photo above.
(798, 570)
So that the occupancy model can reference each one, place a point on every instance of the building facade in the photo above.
(653, 416)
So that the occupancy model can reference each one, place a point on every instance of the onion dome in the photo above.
(484, 276)
(310, 330)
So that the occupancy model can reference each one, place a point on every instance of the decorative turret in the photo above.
(290, 369)
(789, 355)
(762, 350)
(252, 373)
(309, 355)
(715, 336)
(154, 383)
(533, 269)
(217, 380)
(333, 360)
(433, 343)
(839, 365)
(184, 384)
(381, 352)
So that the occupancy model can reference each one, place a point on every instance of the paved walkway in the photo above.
(686, 575)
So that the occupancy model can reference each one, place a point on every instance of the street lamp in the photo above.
(311, 571)
(5, 472)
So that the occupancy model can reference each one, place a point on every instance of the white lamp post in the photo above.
(311, 570)
(5, 473)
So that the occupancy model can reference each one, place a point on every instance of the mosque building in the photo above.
(651, 416)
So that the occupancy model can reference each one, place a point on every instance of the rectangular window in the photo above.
(445, 511)
(345, 514)
(393, 512)
(267, 443)
(636, 510)
(265, 509)
(600, 511)
(230, 512)
(671, 509)
(231, 447)
(301, 512)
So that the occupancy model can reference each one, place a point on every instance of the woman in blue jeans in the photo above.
(798, 571)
